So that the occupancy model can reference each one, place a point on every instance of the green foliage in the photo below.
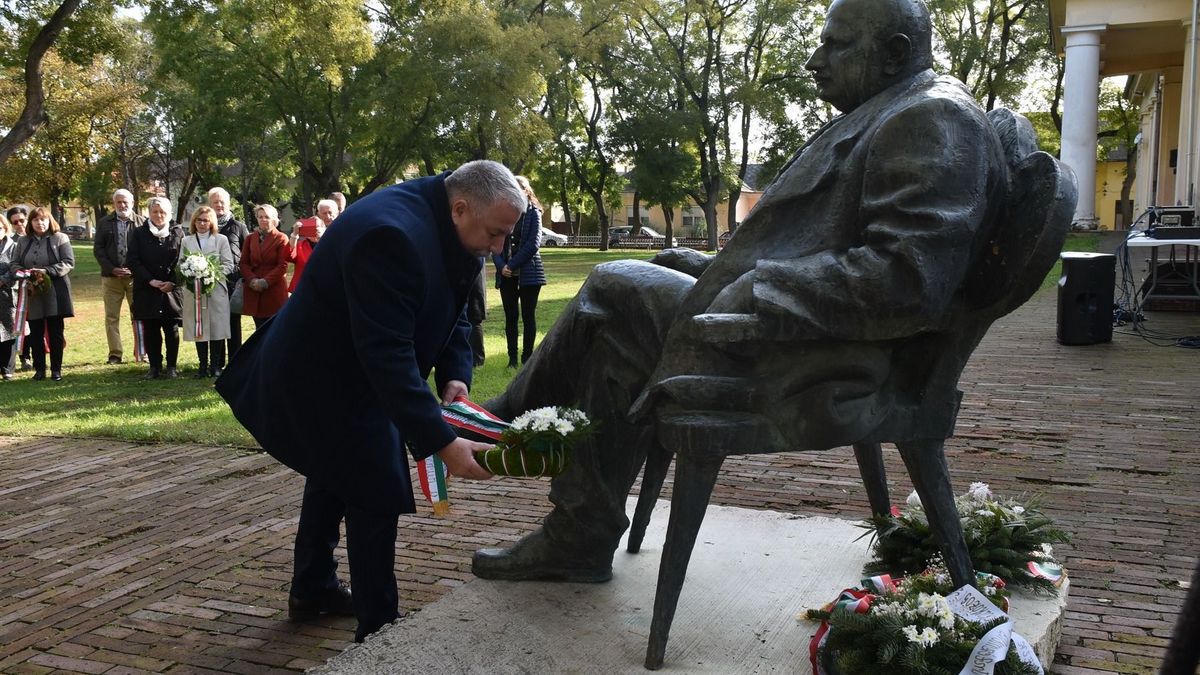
(1002, 537)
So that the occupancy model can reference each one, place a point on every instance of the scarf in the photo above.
(161, 234)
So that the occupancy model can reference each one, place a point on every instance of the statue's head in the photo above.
(867, 46)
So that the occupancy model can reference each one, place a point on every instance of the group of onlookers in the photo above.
(140, 265)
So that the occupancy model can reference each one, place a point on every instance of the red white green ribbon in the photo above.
(855, 600)
(431, 471)
(1048, 571)
(198, 293)
(22, 309)
(139, 340)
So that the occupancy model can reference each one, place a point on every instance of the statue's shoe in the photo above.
(536, 558)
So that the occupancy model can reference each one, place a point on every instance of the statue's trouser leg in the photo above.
(598, 357)
(926, 463)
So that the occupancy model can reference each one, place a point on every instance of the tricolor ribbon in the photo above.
(1048, 571)
(198, 292)
(853, 600)
(969, 604)
(139, 340)
(431, 471)
(22, 309)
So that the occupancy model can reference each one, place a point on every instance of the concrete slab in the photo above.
(751, 574)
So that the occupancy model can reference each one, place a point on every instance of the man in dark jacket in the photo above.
(111, 246)
(381, 305)
(235, 231)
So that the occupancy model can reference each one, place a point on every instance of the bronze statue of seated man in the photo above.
(817, 326)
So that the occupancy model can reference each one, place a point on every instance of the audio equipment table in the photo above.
(1181, 276)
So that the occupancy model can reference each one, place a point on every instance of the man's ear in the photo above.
(458, 208)
(897, 54)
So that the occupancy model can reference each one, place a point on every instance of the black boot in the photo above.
(536, 558)
(202, 355)
(152, 374)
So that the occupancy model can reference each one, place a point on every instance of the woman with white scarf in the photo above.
(157, 302)
(210, 311)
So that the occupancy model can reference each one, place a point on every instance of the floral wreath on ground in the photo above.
(1004, 537)
(919, 625)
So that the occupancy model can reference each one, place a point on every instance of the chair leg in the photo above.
(693, 487)
(874, 477)
(926, 462)
(657, 463)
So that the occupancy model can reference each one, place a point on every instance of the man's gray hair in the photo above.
(218, 191)
(483, 183)
(122, 191)
(330, 203)
(161, 201)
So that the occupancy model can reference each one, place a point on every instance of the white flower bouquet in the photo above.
(1004, 537)
(203, 268)
(536, 443)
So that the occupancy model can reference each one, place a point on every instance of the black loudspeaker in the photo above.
(1085, 298)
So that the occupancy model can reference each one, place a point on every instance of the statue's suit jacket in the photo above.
(334, 385)
(856, 254)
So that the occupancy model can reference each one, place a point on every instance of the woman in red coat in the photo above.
(265, 256)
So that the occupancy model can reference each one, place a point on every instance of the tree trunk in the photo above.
(33, 115)
(669, 217)
(1127, 186)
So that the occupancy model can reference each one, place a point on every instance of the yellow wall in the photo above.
(657, 222)
(1109, 176)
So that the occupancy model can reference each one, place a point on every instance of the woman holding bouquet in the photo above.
(47, 254)
(265, 256)
(157, 301)
(17, 217)
(8, 298)
(206, 314)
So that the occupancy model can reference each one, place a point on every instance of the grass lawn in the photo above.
(95, 399)
(98, 400)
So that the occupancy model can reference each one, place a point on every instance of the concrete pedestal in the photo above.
(751, 574)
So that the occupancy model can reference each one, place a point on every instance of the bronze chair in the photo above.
(1025, 242)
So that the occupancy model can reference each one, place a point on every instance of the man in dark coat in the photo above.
(236, 232)
(111, 246)
(381, 305)
(854, 257)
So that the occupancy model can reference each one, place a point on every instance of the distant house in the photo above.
(1152, 42)
(689, 219)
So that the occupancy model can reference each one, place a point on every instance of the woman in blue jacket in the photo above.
(520, 276)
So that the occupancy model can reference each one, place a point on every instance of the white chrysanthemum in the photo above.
(911, 633)
(979, 492)
(914, 500)
(1018, 509)
(928, 637)
(563, 427)
(887, 608)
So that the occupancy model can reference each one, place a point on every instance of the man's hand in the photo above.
(122, 272)
(506, 272)
(452, 390)
(459, 457)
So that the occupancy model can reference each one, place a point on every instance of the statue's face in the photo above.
(848, 64)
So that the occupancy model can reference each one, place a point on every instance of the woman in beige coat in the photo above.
(214, 306)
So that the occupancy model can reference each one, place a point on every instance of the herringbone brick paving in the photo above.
(124, 558)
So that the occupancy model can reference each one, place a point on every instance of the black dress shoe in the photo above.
(200, 374)
(56, 375)
(39, 375)
(536, 558)
(329, 601)
(152, 374)
(171, 373)
(114, 360)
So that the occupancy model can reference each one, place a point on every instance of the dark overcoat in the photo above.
(380, 306)
(154, 259)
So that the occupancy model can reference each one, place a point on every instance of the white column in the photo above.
(1189, 123)
(1081, 99)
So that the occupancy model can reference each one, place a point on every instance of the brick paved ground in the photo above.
(122, 558)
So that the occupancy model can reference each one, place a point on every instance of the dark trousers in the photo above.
(522, 300)
(234, 334)
(158, 332)
(39, 331)
(370, 545)
(259, 321)
(213, 348)
(8, 356)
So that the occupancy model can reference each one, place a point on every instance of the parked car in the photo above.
(552, 238)
(616, 235)
(75, 231)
